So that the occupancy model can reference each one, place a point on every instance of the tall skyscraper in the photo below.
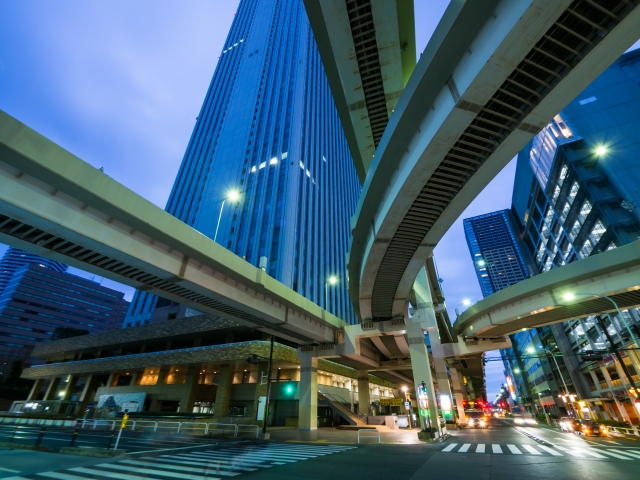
(267, 172)
(15, 258)
(496, 256)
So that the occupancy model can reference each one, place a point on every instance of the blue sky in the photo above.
(120, 84)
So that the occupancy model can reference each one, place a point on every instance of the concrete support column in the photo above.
(622, 411)
(52, 389)
(421, 367)
(364, 397)
(424, 319)
(70, 389)
(308, 392)
(188, 397)
(223, 393)
(456, 380)
(88, 392)
(35, 390)
(442, 375)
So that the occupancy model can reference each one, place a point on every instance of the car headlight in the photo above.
(482, 423)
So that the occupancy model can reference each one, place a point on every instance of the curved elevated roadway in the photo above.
(57, 206)
(492, 76)
(540, 300)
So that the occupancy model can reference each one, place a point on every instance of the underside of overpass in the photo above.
(493, 75)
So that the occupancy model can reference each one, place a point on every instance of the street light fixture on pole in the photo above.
(232, 196)
(566, 389)
(332, 280)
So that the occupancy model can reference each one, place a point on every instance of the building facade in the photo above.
(14, 258)
(39, 303)
(577, 194)
(267, 172)
(497, 258)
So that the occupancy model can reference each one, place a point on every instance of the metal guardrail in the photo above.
(376, 434)
(623, 431)
(187, 428)
(248, 427)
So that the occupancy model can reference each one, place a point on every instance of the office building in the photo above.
(15, 258)
(577, 194)
(267, 172)
(40, 303)
(497, 259)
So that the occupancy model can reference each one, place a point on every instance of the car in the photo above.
(568, 424)
(476, 419)
(588, 427)
(524, 419)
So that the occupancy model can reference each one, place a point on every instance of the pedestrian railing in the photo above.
(247, 429)
(623, 431)
(364, 433)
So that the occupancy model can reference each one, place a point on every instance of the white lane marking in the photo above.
(480, 448)
(9, 470)
(464, 448)
(118, 475)
(625, 452)
(496, 448)
(270, 452)
(551, 451)
(450, 447)
(203, 463)
(152, 471)
(514, 449)
(266, 455)
(213, 458)
(60, 476)
(615, 455)
(589, 451)
(215, 471)
(611, 441)
(15, 478)
(163, 450)
(570, 452)
(531, 450)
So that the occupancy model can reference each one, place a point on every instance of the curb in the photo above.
(19, 446)
(92, 452)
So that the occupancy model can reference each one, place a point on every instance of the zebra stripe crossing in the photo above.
(540, 450)
(218, 464)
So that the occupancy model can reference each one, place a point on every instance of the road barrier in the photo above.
(376, 433)
(247, 429)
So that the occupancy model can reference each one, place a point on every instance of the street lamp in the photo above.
(233, 196)
(548, 352)
(332, 280)
(601, 150)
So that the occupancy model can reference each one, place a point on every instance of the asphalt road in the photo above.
(499, 452)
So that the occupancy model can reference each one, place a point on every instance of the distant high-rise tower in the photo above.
(267, 172)
(497, 258)
(14, 259)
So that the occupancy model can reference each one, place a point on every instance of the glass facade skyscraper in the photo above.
(267, 172)
(14, 258)
(496, 256)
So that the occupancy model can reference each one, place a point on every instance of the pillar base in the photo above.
(308, 434)
(264, 436)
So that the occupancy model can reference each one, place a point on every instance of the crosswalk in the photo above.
(194, 465)
(555, 451)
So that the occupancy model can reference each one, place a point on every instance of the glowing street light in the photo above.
(332, 280)
(601, 150)
(233, 195)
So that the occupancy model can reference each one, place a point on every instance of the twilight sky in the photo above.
(120, 84)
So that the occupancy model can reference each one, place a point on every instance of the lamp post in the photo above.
(332, 280)
(232, 196)
(549, 353)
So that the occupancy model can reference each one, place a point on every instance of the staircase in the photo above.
(328, 400)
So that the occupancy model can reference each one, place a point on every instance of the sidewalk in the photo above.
(332, 435)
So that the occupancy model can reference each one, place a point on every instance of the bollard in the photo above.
(15, 430)
(111, 439)
(40, 435)
(73, 437)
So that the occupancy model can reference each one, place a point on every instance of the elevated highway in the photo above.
(368, 49)
(57, 206)
(492, 76)
(543, 299)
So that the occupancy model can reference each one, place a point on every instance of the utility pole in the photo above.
(266, 407)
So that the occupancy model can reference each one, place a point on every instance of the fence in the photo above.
(362, 433)
(186, 428)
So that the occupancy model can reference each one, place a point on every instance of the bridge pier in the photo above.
(458, 392)
(308, 395)
(364, 397)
